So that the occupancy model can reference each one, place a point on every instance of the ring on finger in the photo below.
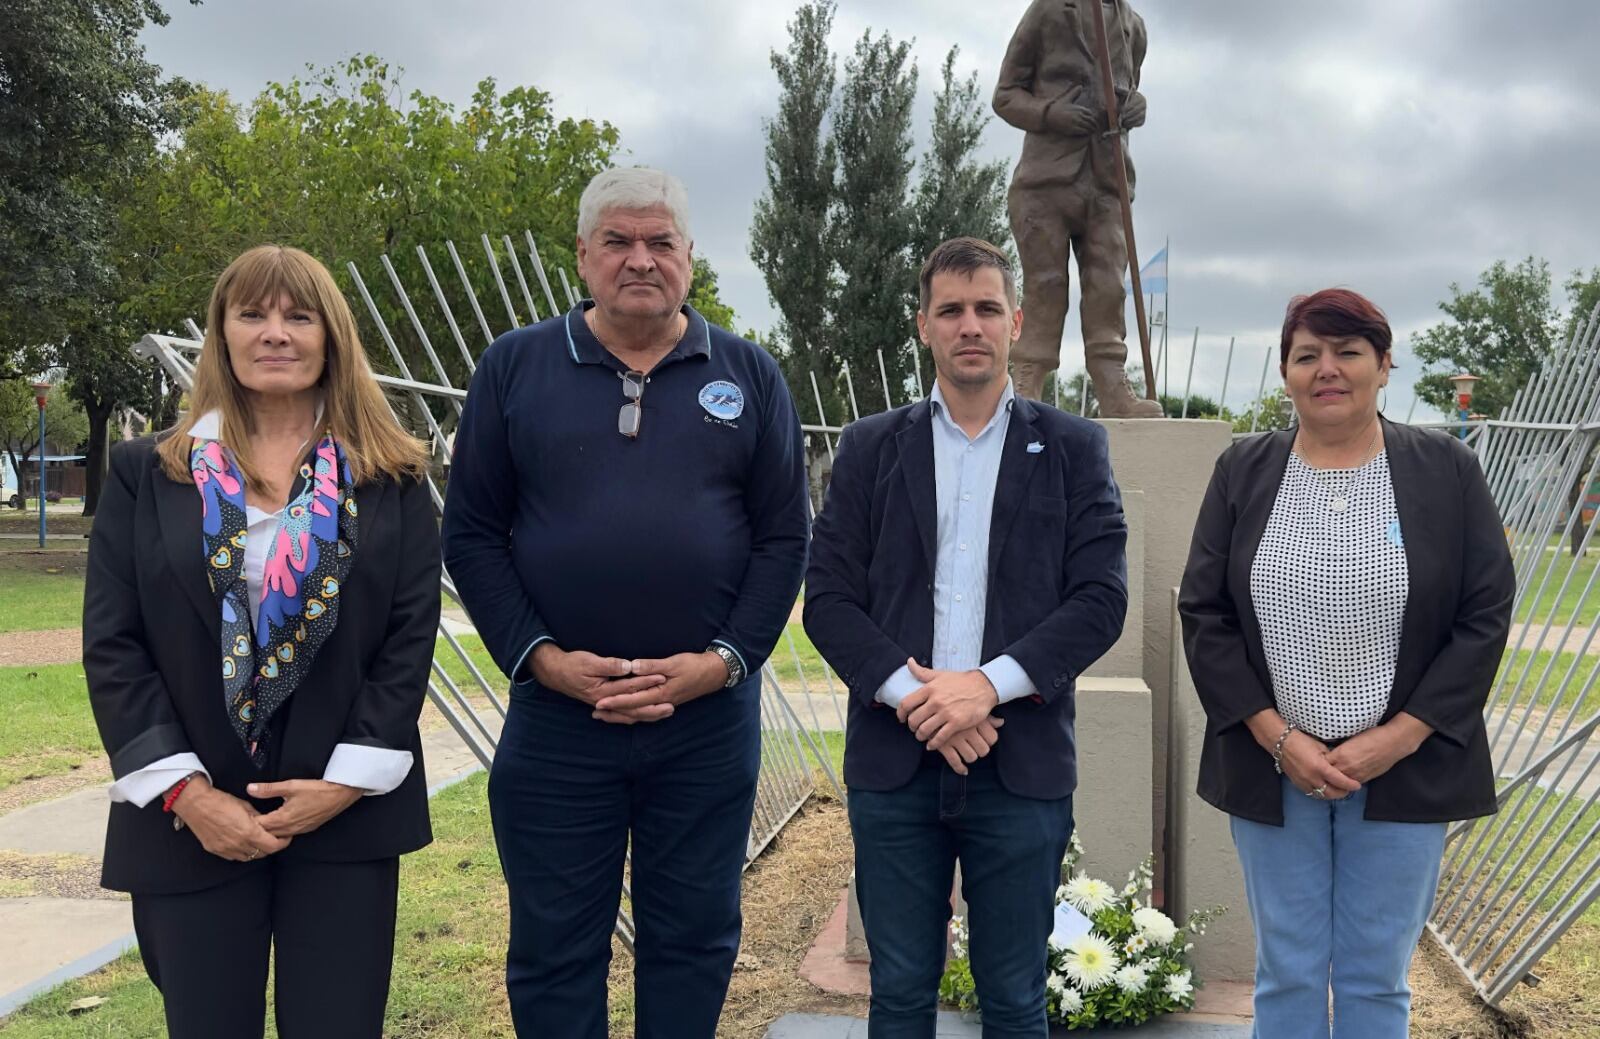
(1320, 793)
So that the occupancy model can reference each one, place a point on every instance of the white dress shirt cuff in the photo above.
(148, 783)
(898, 686)
(1008, 678)
(375, 770)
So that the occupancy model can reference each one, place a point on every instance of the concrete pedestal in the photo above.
(1170, 461)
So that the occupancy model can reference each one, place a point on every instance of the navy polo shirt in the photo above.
(558, 527)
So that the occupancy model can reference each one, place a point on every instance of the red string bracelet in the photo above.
(173, 794)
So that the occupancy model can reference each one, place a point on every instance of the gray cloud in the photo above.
(1394, 148)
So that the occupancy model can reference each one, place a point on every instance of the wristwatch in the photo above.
(735, 668)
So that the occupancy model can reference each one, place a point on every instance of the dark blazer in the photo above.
(152, 657)
(1058, 583)
(1457, 615)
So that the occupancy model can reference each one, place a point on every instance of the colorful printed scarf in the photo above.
(306, 566)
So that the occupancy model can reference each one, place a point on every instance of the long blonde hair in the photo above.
(354, 410)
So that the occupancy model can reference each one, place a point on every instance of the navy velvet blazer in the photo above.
(1057, 583)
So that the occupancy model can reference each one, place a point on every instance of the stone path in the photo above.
(957, 1026)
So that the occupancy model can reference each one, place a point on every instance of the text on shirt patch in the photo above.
(723, 402)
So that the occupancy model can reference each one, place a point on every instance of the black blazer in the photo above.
(1058, 583)
(1457, 615)
(152, 657)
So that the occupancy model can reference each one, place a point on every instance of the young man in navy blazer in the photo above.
(968, 565)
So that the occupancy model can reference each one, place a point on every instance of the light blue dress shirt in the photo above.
(964, 469)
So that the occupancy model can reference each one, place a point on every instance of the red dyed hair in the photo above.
(1336, 314)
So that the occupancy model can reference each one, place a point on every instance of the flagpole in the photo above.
(1166, 293)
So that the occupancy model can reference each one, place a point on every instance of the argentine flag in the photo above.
(1152, 276)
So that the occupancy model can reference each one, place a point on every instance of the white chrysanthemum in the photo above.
(1055, 984)
(1089, 895)
(1071, 1002)
(1130, 889)
(1136, 945)
(1155, 925)
(1132, 978)
(1054, 944)
(1090, 961)
(1178, 986)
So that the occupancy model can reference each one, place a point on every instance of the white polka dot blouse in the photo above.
(1329, 585)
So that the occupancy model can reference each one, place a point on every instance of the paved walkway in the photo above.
(959, 1026)
(48, 941)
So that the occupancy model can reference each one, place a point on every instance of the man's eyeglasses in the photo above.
(632, 413)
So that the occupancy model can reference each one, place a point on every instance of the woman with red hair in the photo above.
(1345, 606)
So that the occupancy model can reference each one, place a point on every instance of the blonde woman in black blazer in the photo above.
(1345, 607)
(258, 625)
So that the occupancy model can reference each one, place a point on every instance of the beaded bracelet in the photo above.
(176, 791)
(1277, 748)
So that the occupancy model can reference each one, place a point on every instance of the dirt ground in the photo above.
(55, 646)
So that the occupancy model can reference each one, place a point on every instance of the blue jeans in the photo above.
(1010, 848)
(1337, 900)
(566, 794)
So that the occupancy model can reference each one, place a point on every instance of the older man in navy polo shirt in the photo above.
(626, 523)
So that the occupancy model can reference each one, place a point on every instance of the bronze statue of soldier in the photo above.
(1064, 195)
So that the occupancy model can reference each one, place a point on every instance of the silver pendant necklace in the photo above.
(1339, 499)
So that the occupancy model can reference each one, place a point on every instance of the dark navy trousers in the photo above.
(567, 793)
(1010, 848)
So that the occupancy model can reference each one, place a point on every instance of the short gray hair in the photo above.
(637, 188)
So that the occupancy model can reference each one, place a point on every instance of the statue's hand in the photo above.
(1132, 111)
(1073, 120)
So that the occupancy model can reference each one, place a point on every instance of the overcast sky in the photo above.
(1291, 144)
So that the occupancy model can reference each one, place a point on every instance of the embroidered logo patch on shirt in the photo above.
(1395, 537)
(722, 400)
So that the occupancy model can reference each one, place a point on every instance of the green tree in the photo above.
(1501, 332)
(872, 224)
(958, 194)
(788, 234)
(1199, 407)
(1583, 297)
(705, 297)
(1268, 413)
(79, 106)
(347, 167)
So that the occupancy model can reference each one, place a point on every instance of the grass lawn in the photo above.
(1539, 675)
(41, 590)
(1563, 605)
(47, 727)
(785, 653)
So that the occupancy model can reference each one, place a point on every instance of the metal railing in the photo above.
(470, 701)
(1514, 883)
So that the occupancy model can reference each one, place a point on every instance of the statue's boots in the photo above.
(1106, 363)
(1027, 377)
